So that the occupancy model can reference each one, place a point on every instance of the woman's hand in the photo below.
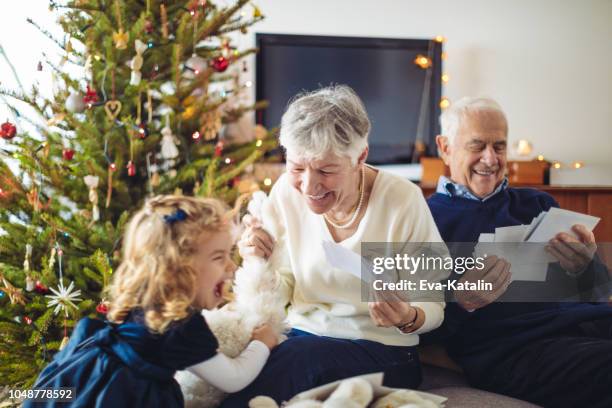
(265, 334)
(392, 313)
(255, 241)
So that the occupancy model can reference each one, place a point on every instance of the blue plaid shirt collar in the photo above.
(448, 187)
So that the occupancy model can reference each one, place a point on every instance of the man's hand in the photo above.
(573, 254)
(255, 241)
(497, 272)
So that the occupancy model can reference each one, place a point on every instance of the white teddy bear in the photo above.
(256, 302)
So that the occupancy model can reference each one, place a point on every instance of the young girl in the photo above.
(176, 261)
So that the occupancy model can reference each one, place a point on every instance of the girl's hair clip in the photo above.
(178, 215)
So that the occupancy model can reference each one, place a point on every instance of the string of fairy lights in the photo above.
(523, 148)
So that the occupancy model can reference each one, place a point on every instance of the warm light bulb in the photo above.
(577, 165)
(444, 103)
(248, 84)
(445, 78)
(523, 147)
(267, 181)
(195, 135)
(444, 56)
(540, 158)
(557, 165)
(422, 61)
(228, 160)
(440, 39)
(112, 167)
(258, 143)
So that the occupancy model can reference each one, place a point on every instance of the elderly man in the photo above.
(554, 354)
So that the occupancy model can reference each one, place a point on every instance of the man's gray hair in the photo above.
(331, 119)
(451, 118)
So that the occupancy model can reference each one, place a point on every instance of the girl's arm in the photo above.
(233, 374)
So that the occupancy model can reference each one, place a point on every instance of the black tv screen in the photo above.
(382, 71)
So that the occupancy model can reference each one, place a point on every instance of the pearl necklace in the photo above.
(357, 211)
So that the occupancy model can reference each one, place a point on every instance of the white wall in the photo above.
(548, 62)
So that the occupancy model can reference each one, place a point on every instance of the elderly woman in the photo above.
(329, 193)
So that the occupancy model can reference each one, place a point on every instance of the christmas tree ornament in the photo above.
(164, 20)
(256, 11)
(168, 143)
(39, 287)
(102, 307)
(155, 180)
(67, 154)
(29, 283)
(260, 132)
(136, 62)
(112, 109)
(194, 66)
(91, 96)
(63, 298)
(88, 65)
(120, 37)
(28, 258)
(8, 130)
(220, 63)
(13, 293)
(64, 343)
(131, 168)
(196, 135)
(75, 102)
(92, 184)
(143, 131)
(27, 319)
(51, 261)
(219, 148)
(211, 124)
(149, 27)
(149, 106)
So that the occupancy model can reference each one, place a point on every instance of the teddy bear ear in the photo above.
(262, 402)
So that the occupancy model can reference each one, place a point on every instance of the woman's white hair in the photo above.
(331, 119)
(451, 118)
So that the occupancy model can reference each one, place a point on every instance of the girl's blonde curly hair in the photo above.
(155, 274)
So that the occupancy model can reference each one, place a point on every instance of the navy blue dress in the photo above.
(124, 365)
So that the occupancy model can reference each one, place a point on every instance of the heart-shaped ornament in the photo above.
(112, 109)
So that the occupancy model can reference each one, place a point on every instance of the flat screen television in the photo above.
(395, 90)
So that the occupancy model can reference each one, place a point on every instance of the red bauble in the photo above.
(67, 154)
(220, 64)
(143, 132)
(131, 168)
(149, 27)
(8, 130)
(102, 308)
(218, 149)
(40, 288)
(91, 96)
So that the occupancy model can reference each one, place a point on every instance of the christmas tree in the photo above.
(142, 119)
